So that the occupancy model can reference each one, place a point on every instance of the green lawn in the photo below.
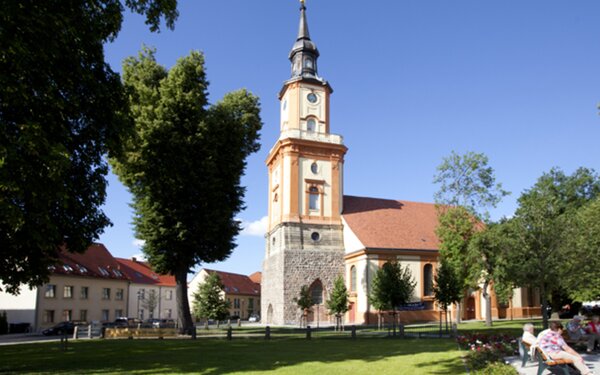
(254, 356)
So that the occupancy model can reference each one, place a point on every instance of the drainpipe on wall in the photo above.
(159, 300)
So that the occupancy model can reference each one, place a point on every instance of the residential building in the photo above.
(150, 295)
(240, 291)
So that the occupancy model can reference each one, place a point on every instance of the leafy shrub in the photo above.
(487, 349)
(497, 368)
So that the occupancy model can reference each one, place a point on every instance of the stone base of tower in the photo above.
(298, 260)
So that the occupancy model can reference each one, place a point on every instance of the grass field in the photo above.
(253, 356)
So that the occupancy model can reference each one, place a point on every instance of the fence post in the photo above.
(229, 331)
(267, 333)
(89, 333)
(353, 333)
(75, 332)
(401, 329)
(194, 332)
(239, 323)
(454, 330)
(308, 334)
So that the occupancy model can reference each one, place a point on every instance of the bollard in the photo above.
(454, 330)
(229, 331)
(194, 333)
(75, 332)
(103, 332)
(308, 333)
(401, 329)
(353, 332)
(239, 323)
(228, 322)
(267, 333)
(89, 331)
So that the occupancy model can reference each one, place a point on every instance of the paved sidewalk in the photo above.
(25, 338)
(531, 368)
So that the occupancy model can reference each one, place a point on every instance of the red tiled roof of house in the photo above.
(392, 224)
(142, 273)
(96, 261)
(256, 277)
(237, 284)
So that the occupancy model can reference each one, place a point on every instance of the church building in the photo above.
(316, 233)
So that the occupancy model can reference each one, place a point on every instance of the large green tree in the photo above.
(208, 302)
(183, 165)
(338, 302)
(61, 110)
(583, 249)
(468, 188)
(541, 255)
(391, 287)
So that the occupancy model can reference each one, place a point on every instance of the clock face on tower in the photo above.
(312, 97)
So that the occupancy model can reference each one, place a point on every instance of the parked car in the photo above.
(60, 329)
(161, 323)
(254, 318)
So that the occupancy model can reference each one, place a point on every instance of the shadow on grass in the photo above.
(214, 356)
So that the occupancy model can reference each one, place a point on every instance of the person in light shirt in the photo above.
(528, 336)
(593, 329)
(552, 343)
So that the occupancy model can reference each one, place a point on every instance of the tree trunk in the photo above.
(183, 305)
(379, 320)
(544, 305)
(458, 313)
(488, 304)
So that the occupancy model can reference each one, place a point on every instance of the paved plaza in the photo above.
(592, 361)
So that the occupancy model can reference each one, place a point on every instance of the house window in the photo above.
(67, 315)
(83, 315)
(236, 303)
(316, 292)
(48, 316)
(169, 295)
(105, 315)
(169, 313)
(313, 198)
(105, 293)
(119, 294)
(353, 279)
(84, 292)
(68, 291)
(118, 313)
(428, 280)
(50, 291)
(311, 125)
(251, 303)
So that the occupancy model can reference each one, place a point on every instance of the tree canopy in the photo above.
(62, 109)
(183, 165)
(543, 226)
(391, 287)
(447, 288)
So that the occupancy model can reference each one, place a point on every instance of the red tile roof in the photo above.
(256, 277)
(142, 273)
(96, 261)
(237, 284)
(392, 224)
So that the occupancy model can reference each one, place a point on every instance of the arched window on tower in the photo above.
(311, 125)
(428, 280)
(353, 279)
(316, 292)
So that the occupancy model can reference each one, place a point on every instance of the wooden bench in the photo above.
(526, 347)
(545, 362)
(140, 332)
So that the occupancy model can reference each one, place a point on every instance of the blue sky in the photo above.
(413, 81)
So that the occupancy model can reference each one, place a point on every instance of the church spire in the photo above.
(304, 53)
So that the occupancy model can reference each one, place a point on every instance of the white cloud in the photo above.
(256, 228)
(138, 243)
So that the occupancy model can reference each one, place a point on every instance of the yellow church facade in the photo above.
(316, 233)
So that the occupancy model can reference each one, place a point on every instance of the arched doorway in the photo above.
(470, 308)
(317, 295)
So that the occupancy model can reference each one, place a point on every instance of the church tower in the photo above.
(304, 242)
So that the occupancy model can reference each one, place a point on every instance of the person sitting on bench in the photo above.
(528, 336)
(577, 333)
(593, 329)
(555, 347)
